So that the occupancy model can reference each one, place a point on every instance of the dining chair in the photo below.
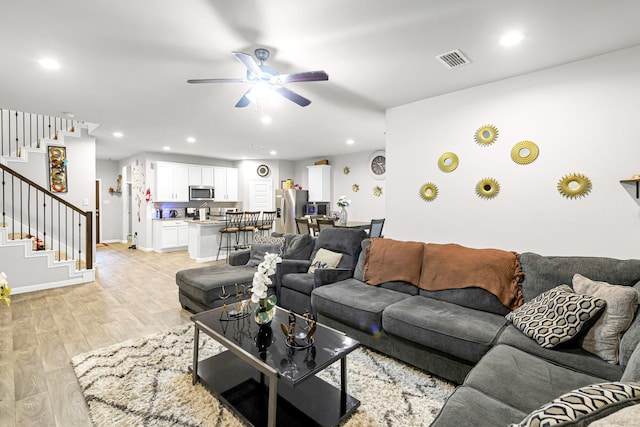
(303, 226)
(249, 225)
(325, 223)
(232, 222)
(267, 221)
(375, 229)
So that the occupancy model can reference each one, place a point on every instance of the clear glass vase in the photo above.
(343, 216)
(265, 311)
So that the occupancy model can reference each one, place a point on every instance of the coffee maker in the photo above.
(195, 213)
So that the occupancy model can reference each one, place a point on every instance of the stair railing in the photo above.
(31, 211)
(18, 130)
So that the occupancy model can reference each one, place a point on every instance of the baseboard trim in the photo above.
(86, 277)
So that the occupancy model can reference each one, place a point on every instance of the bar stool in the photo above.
(267, 222)
(232, 221)
(249, 225)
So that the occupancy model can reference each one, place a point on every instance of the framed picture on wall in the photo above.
(57, 169)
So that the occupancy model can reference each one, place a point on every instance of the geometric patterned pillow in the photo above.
(582, 406)
(268, 239)
(555, 316)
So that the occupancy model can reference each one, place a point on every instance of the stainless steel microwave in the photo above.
(201, 192)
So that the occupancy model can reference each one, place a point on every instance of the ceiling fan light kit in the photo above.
(266, 80)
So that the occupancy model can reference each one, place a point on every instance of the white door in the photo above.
(261, 195)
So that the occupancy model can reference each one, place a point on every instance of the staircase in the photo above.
(45, 241)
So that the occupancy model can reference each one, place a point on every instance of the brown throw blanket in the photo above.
(453, 266)
(388, 260)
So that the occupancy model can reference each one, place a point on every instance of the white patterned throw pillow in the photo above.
(325, 259)
(555, 316)
(582, 406)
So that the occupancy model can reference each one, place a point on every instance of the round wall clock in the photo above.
(263, 170)
(378, 164)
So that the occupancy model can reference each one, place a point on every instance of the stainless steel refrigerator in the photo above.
(290, 204)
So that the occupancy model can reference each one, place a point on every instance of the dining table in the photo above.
(363, 225)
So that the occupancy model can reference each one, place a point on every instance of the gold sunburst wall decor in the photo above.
(428, 191)
(377, 191)
(487, 188)
(525, 152)
(574, 186)
(346, 170)
(486, 135)
(448, 162)
(355, 188)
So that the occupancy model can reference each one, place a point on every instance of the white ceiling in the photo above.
(124, 64)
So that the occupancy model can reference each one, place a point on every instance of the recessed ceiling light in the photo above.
(49, 63)
(273, 152)
(191, 139)
(166, 148)
(350, 141)
(511, 38)
(118, 134)
(265, 119)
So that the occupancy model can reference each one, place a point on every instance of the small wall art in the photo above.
(448, 162)
(57, 169)
(525, 152)
(574, 186)
(486, 135)
(355, 188)
(428, 192)
(377, 191)
(487, 188)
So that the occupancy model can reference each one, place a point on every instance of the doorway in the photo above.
(97, 216)
(261, 195)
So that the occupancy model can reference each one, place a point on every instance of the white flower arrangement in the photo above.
(261, 279)
(343, 202)
(5, 290)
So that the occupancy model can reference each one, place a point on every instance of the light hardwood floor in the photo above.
(134, 295)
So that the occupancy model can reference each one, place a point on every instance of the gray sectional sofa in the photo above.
(463, 335)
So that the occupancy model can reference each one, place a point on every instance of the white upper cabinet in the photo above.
(226, 183)
(319, 183)
(172, 182)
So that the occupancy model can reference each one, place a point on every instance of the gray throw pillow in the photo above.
(258, 251)
(631, 338)
(555, 316)
(603, 338)
(298, 246)
(359, 271)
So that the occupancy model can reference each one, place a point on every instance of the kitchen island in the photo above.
(204, 240)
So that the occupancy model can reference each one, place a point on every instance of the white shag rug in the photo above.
(145, 382)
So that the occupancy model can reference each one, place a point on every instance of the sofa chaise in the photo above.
(484, 319)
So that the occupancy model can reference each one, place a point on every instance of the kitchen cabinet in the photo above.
(172, 182)
(226, 183)
(201, 175)
(170, 235)
(319, 183)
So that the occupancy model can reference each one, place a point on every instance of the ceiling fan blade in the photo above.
(244, 101)
(248, 62)
(292, 96)
(217, 81)
(310, 76)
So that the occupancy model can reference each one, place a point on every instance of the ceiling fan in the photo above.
(265, 77)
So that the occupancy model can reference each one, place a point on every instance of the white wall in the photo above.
(584, 118)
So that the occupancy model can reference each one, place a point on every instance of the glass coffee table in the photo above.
(266, 382)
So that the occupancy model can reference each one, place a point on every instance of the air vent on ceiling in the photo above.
(453, 59)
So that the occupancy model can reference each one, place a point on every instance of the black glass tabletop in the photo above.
(268, 344)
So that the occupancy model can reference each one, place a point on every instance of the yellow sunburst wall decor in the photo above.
(428, 192)
(346, 170)
(487, 188)
(486, 135)
(574, 186)
(525, 152)
(355, 188)
(377, 191)
(448, 162)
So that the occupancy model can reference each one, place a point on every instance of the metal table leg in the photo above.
(273, 400)
(196, 345)
(343, 384)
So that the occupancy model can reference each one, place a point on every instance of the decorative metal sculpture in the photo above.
(525, 152)
(574, 186)
(355, 188)
(428, 191)
(448, 162)
(377, 191)
(346, 170)
(240, 304)
(486, 135)
(303, 339)
(487, 188)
